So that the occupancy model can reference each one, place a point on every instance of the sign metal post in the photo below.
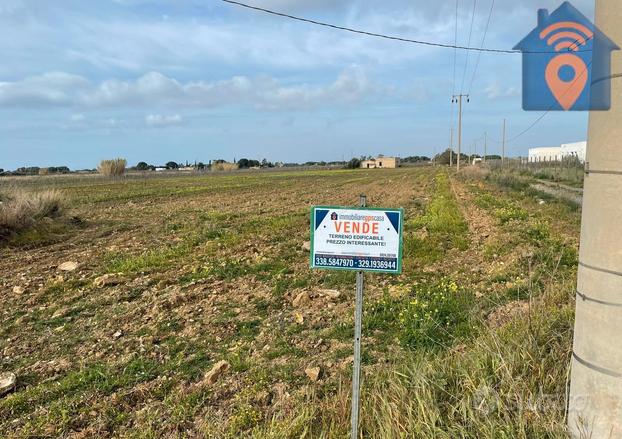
(357, 239)
(358, 323)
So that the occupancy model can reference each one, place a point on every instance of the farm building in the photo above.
(545, 154)
(577, 149)
(556, 153)
(381, 162)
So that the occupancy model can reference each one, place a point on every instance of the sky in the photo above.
(198, 80)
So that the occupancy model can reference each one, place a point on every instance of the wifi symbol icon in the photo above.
(565, 38)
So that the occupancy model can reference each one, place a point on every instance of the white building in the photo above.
(545, 154)
(556, 153)
(577, 149)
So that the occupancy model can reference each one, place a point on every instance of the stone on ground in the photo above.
(313, 373)
(7, 382)
(68, 266)
(219, 368)
(301, 299)
(108, 280)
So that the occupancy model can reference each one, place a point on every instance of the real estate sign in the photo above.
(358, 239)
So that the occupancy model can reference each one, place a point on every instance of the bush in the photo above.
(224, 166)
(353, 164)
(435, 316)
(112, 168)
(474, 173)
(20, 210)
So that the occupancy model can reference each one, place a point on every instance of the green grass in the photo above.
(443, 224)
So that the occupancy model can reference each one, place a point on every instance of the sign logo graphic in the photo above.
(566, 63)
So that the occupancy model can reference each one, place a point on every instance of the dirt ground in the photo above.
(114, 323)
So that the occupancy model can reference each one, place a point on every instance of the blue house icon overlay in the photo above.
(566, 63)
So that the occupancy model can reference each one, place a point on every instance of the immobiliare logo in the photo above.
(566, 63)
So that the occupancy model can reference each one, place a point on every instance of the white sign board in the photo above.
(357, 239)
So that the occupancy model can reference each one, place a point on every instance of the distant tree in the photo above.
(201, 166)
(171, 165)
(1, 171)
(266, 164)
(415, 159)
(443, 158)
(243, 163)
(143, 166)
(353, 164)
(32, 170)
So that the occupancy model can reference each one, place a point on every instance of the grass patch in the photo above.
(21, 210)
(443, 224)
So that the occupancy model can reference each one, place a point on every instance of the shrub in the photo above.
(224, 166)
(510, 212)
(435, 316)
(20, 209)
(112, 168)
(510, 181)
(474, 173)
(353, 164)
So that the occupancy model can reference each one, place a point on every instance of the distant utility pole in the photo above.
(503, 145)
(458, 99)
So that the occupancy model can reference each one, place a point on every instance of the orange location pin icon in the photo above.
(566, 92)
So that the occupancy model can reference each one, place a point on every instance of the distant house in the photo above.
(381, 162)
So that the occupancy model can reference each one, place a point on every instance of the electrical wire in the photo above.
(479, 54)
(543, 115)
(379, 35)
(453, 85)
(466, 62)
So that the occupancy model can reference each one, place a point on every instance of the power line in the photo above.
(378, 35)
(543, 115)
(479, 54)
(453, 88)
(453, 84)
(466, 62)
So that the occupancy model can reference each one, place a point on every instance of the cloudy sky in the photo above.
(158, 80)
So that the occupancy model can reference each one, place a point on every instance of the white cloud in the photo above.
(159, 120)
(496, 91)
(156, 89)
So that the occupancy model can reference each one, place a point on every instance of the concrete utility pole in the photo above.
(595, 403)
(485, 145)
(458, 98)
(503, 146)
